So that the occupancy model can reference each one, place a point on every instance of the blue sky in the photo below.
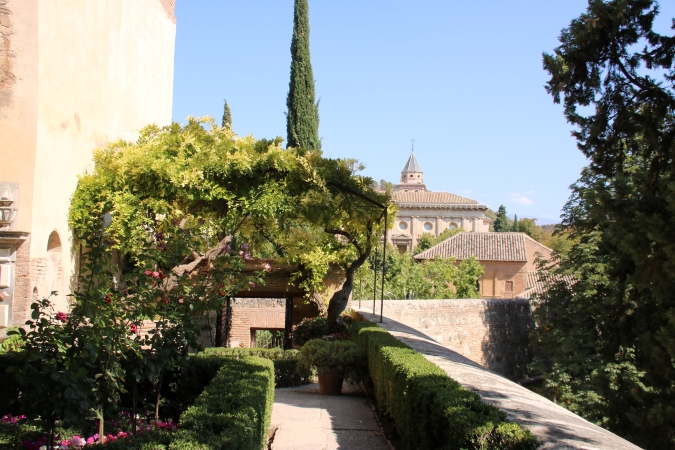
(464, 79)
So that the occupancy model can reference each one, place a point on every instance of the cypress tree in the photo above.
(302, 119)
(515, 223)
(227, 116)
(501, 222)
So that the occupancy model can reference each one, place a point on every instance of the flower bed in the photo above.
(430, 409)
(233, 411)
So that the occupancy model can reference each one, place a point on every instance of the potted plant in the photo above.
(333, 359)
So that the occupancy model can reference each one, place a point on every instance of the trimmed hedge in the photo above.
(285, 362)
(233, 412)
(430, 409)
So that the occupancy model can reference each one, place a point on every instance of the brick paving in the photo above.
(554, 426)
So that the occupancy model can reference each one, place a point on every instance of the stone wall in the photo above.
(491, 332)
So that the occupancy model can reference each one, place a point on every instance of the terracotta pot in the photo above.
(331, 382)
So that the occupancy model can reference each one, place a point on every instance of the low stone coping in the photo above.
(553, 425)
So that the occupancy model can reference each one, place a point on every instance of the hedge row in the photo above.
(285, 362)
(233, 412)
(430, 409)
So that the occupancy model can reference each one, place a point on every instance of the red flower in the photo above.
(134, 328)
(108, 299)
(62, 317)
(167, 300)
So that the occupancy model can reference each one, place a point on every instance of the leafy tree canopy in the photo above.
(295, 205)
(610, 336)
(502, 222)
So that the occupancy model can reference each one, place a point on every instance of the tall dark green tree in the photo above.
(515, 224)
(227, 116)
(302, 119)
(610, 335)
(502, 222)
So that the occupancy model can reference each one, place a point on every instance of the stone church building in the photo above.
(423, 211)
(74, 75)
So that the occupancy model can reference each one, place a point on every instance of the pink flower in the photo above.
(267, 267)
(247, 256)
(155, 274)
(167, 300)
(227, 248)
(251, 283)
(134, 328)
(62, 317)
(148, 273)
(90, 440)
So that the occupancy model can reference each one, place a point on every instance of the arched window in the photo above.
(54, 274)
(452, 225)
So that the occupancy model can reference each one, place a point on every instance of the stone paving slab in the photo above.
(307, 420)
(553, 425)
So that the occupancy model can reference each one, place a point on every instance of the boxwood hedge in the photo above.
(430, 409)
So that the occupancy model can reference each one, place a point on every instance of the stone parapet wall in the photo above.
(490, 332)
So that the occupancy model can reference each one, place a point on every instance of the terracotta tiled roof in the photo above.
(537, 281)
(484, 246)
(400, 197)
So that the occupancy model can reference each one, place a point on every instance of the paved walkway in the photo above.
(307, 420)
(556, 427)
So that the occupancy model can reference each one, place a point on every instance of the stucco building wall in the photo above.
(85, 73)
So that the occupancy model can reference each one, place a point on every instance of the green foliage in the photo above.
(209, 186)
(322, 355)
(501, 223)
(13, 342)
(430, 409)
(407, 278)
(302, 119)
(609, 337)
(285, 362)
(310, 328)
(516, 227)
(227, 116)
(234, 410)
(428, 240)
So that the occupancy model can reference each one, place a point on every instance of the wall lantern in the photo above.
(7, 209)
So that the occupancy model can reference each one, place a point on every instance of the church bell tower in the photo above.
(412, 177)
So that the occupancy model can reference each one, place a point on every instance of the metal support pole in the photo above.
(375, 280)
(384, 261)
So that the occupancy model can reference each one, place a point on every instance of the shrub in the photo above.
(430, 409)
(13, 343)
(285, 362)
(310, 328)
(322, 355)
(233, 412)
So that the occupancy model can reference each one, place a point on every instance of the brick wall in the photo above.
(248, 313)
(23, 284)
(491, 332)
